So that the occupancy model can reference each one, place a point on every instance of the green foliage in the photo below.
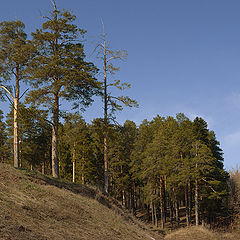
(15, 50)
(4, 153)
(75, 136)
(34, 135)
(180, 151)
(121, 147)
(58, 67)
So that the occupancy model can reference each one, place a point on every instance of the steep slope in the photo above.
(33, 206)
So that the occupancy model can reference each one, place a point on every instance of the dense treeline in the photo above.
(168, 170)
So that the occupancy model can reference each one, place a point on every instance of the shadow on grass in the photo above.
(81, 189)
(86, 191)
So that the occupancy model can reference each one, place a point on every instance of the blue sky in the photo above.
(183, 56)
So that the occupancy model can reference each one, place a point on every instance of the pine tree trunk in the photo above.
(155, 216)
(165, 199)
(15, 131)
(83, 179)
(152, 207)
(123, 198)
(189, 201)
(186, 205)
(105, 121)
(74, 166)
(15, 119)
(74, 163)
(133, 198)
(196, 203)
(171, 212)
(20, 152)
(148, 212)
(83, 168)
(123, 192)
(105, 163)
(162, 203)
(43, 166)
(55, 167)
(177, 212)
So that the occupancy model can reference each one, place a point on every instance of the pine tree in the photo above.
(111, 103)
(77, 135)
(208, 173)
(120, 151)
(3, 138)
(15, 53)
(34, 138)
(58, 70)
(97, 135)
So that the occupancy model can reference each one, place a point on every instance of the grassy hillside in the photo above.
(37, 207)
(200, 233)
(33, 206)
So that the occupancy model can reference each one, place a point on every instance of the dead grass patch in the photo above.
(36, 207)
(200, 233)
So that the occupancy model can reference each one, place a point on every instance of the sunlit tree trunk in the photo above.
(196, 203)
(20, 152)
(74, 163)
(74, 167)
(189, 201)
(105, 141)
(15, 121)
(187, 205)
(177, 212)
(162, 202)
(55, 167)
(83, 175)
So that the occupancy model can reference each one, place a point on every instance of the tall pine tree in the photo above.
(59, 71)
(15, 53)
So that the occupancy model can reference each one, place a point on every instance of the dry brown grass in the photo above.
(200, 233)
(33, 206)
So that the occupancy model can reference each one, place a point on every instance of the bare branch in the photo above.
(9, 100)
(114, 120)
(114, 57)
(98, 45)
(103, 27)
(23, 93)
(54, 4)
(117, 98)
(209, 185)
(7, 91)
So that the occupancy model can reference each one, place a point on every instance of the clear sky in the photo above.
(183, 56)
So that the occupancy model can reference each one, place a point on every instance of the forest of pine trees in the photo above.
(168, 171)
